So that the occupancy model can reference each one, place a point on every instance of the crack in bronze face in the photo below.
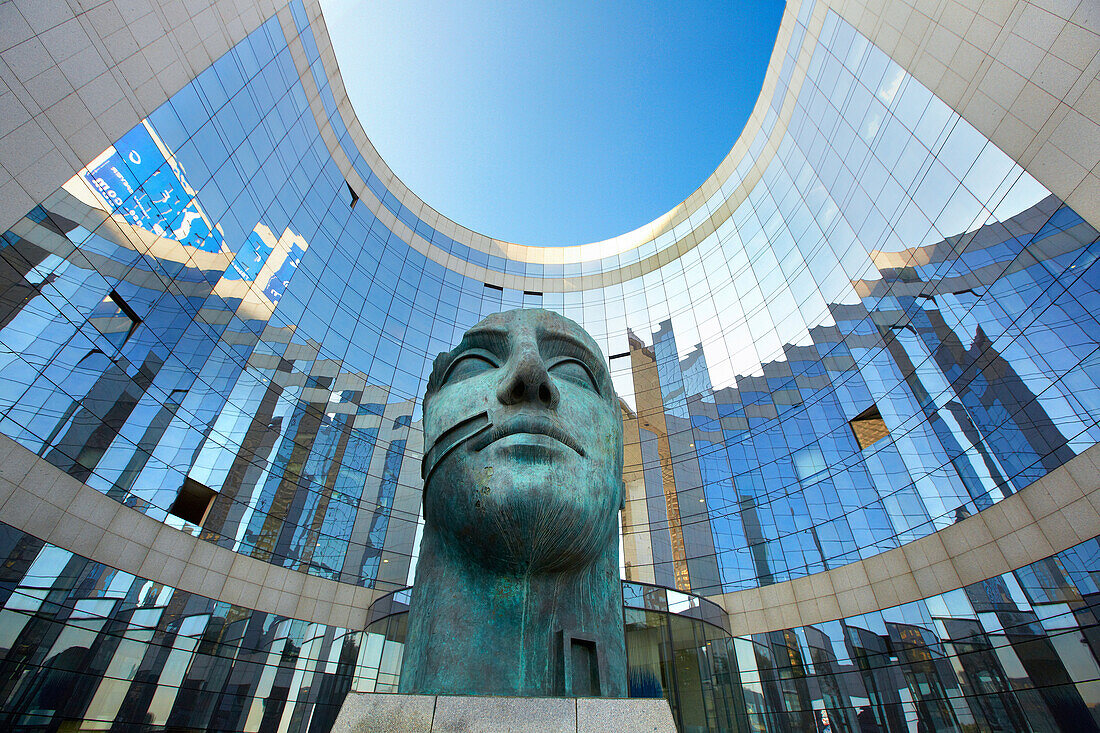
(450, 439)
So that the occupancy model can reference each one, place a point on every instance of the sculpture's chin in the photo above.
(531, 521)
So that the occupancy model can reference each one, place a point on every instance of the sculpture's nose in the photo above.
(528, 381)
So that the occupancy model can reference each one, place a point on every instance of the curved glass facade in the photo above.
(874, 325)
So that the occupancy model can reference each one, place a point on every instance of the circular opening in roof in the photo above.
(552, 123)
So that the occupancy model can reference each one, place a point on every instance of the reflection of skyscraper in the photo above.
(668, 440)
(754, 534)
(656, 455)
(860, 408)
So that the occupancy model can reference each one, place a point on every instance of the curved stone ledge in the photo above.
(556, 255)
(1053, 514)
(41, 500)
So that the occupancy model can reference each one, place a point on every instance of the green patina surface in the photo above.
(517, 587)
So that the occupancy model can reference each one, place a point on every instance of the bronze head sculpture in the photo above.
(517, 587)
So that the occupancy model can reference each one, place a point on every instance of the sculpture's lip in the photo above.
(533, 424)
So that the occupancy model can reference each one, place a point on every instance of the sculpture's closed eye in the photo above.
(574, 371)
(468, 365)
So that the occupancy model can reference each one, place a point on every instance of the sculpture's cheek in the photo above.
(456, 403)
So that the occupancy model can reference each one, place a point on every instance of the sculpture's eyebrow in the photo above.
(566, 344)
(488, 338)
(494, 340)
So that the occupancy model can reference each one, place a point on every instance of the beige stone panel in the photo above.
(1049, 45)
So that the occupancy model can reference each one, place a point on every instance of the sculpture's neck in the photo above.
(479, 631)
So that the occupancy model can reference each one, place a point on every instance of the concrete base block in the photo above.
(377, 712)
(393, 713)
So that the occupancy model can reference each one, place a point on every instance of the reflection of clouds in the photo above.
(891, 83)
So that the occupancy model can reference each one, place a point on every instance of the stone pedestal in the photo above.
(394, 713)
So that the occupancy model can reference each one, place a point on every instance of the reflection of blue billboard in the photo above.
(276, 286)
(250, 259)
(139, 184)
(254, 254)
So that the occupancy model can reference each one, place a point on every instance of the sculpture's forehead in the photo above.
(538, 323)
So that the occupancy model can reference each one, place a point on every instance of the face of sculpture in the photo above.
(523, 467)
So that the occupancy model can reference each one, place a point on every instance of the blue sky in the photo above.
(552, 123)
